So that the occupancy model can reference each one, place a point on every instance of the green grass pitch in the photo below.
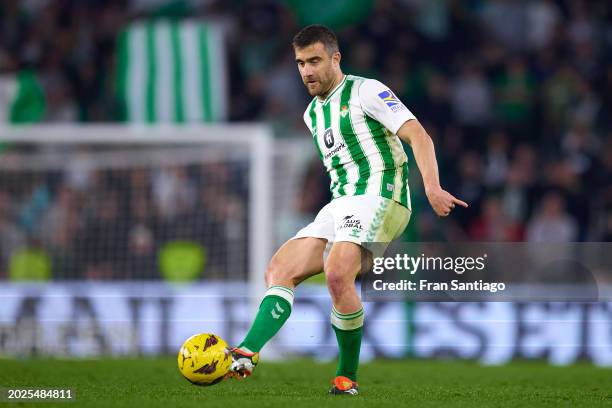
(156, 382)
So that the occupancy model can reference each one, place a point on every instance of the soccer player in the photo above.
(357, 124)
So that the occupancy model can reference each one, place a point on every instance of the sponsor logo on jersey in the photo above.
(352, 223)
(328, 138)
(336, 150)
(391, 100)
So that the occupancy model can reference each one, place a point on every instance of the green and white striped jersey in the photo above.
(354, 130)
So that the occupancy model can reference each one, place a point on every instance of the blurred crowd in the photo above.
(517, 95)
(81, 222)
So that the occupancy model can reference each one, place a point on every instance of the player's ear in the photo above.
(336, 57)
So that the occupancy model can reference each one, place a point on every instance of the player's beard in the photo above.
(322, 87)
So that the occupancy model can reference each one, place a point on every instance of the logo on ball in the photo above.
(204, 359)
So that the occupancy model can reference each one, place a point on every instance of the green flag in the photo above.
(172, 72)
(335, 14)
(22, 99)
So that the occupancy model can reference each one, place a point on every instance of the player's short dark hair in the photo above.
(315, 33)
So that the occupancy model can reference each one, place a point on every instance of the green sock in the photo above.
(274, 311)
(349, 330)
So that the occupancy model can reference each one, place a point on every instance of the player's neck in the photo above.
(337, 81)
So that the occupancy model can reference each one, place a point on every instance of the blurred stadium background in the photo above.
(154, 155)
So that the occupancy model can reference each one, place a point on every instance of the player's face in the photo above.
(316, 68)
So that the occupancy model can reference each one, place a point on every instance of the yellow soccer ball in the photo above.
(204, 359)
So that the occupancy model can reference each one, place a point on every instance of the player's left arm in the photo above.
(424, 152)
(380, 103)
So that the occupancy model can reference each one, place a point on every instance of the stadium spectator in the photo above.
(493, 225)
(552, 223)
(12, 237)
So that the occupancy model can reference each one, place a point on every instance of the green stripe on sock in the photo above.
(347, 316)
(350, 317)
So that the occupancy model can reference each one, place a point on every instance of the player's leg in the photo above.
(294, 262)
(359, 219)
(341, 269)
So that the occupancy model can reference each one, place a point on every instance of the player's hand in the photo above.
(443, 202)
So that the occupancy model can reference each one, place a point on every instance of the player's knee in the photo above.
(338, 280)
(278, 273)
(272, 273)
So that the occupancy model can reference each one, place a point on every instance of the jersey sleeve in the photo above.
(379, 102)
(307, 120)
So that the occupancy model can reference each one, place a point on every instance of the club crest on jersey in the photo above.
(344, 111)
(391, 100)
(328, 138)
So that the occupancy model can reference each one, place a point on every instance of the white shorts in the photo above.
(358, 219)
